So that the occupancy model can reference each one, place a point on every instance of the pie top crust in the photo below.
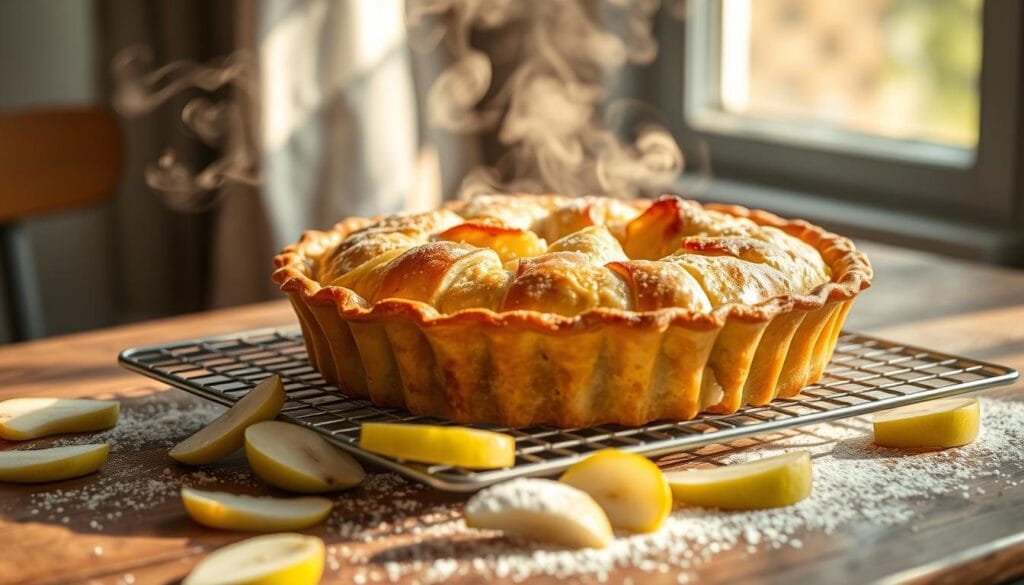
(555, 261)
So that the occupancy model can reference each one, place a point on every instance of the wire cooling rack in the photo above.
(866, 375)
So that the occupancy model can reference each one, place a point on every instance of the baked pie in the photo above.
(530, 309)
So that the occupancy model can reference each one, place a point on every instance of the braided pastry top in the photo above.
(563, 255)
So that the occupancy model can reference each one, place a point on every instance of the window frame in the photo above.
(984, 189)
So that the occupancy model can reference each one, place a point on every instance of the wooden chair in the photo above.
(50, 161)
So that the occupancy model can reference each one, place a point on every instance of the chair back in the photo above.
(56, 160)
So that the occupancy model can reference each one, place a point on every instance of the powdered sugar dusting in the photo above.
(535, 495)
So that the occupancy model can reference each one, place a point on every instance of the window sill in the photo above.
(945, 236)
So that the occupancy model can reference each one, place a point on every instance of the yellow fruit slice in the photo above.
(457, 446)
(936, 423)
(227, 433)
(28, 418)
(297, 459)
(632, 491)
(272, 559)
(253, 513)
(54, 464)
(541, 509)
(771, 482)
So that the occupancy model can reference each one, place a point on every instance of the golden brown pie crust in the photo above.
(525, 367)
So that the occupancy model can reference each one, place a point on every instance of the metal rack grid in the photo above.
(866, 374)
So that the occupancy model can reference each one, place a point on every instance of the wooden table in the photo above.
(918, 299)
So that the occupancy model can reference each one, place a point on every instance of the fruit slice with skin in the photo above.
(442, 445)
(656, 232)
(630, 488)
(299, 460)
(28, 418)
(509, 243)
(253, 513)
(541, 509)
(227, 433)
(951, 422)
(271, 559)
(54, 464)
(772, 482)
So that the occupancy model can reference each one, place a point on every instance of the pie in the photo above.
(543, 309)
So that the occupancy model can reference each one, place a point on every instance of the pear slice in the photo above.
(271, 559)
(541, 509)
(441, 445)
(772, 482)
(297, 459)
(935, 424)
(227, 433)
(54, 464)
(29, 418)
(632, 491)
(253, 513)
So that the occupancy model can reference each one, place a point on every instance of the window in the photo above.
(903, 70)
(909, 106)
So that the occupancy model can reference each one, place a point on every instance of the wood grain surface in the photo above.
(141, 535)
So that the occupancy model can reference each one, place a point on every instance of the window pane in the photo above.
(902, 69)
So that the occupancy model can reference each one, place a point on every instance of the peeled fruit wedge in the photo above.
(632, 491)
(28, 418)
(54, 464)
(272, 559)
(541, 509)
(227, 433)
(253, 513)
(299, 460)
(772, 482)
(457, 446)
(937, 423)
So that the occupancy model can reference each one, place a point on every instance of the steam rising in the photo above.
(220, 118)
(539, 84)
(548, 110)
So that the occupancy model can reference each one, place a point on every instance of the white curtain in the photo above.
(338, 134)
(338, 111)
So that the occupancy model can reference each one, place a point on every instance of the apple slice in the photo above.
(29, 418)
(54, 464)
(772, 482)
(541, 509)
(299, 460)
(934, 424)
(632, 491)
(271, 559)
(253, 513)
(227, 433)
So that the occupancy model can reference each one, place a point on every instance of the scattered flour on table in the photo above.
(152, 423)
(120, 490)
(854, 482)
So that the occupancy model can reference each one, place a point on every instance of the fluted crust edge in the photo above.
(520, 368)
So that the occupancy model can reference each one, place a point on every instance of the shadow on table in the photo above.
(443, 548)
(863, 448)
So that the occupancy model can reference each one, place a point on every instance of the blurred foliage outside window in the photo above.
(901, 69)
